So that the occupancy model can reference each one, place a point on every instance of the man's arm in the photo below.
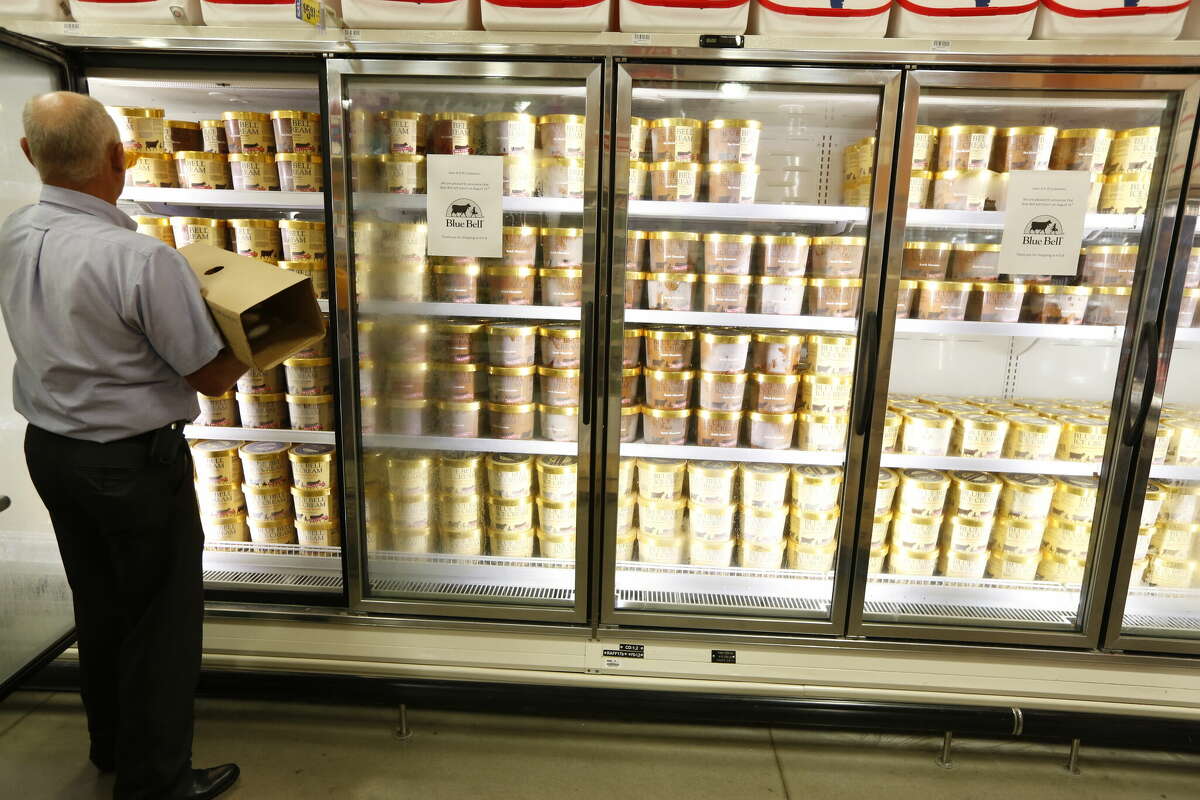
(217, 376)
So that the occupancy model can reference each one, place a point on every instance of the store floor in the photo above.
(296, 751)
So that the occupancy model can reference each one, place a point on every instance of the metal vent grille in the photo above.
(924, 612)
(1162, 624)
(245, 579)
(643, 599)
(474, 592)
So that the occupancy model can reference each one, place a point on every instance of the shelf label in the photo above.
(641, 38)
(463, 206)
(1043, 222)
(626, 651)
(724, 656)
(309, 11)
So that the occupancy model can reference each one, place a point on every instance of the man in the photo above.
(112, 341)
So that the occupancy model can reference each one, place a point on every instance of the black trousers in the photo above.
(125, 517)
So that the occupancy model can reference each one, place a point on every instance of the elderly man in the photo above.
(112, 340)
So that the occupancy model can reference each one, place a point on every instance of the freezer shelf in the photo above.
(773, 321)
(259, 434)
(1032, 330)
(994, 220)
(435, 576)
(985, 601)
(753, 454)
(658, 587)
(272, 567)
(488, 310)
(1017, 465)
(167, 201)
(748, 212)
(535, 446)
(380, 201)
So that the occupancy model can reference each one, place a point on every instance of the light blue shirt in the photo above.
(104, 321)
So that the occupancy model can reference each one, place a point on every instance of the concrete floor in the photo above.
(296, 751)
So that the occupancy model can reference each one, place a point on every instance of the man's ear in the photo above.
(25, 150)
(116, 157)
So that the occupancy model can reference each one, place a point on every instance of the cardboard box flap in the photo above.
(264, 313)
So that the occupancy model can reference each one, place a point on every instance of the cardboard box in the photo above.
(243, 292)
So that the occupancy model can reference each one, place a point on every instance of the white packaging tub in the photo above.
(546, 15)
(452, 15)
(684, 16)
(1110, 19)
(236, 13)
(185, 12)
(53, 10)
(859, 18)
(968, 19)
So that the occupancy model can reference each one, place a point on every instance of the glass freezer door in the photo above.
(472, 394)
(748, 230)
(1033, 210)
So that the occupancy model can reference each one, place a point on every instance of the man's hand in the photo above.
(217, 376)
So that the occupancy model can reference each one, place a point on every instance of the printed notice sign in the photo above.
(463, 206)
(1043, 225)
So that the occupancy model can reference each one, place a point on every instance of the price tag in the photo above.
(70, 27)
(353, 34)
(309, 11)
(641, 38)
(938, 45)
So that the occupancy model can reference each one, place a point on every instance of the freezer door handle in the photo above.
(589, 368)
(865, 388)
(1147, 366)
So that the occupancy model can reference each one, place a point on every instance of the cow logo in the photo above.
(1043, 231)
(464, 213)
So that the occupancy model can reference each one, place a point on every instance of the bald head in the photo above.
(70, 139)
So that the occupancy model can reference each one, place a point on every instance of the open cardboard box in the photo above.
(235, 285)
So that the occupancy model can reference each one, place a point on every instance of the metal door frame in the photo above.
(887, 83)
(1131, 374)
(1161, 305)
(338, 72)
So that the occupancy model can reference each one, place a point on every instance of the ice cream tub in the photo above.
(512, 544)
(155, 170)
(200, 170)
(310, 412)
(676, 139)
(216, 461)
(560, 345)
(262, 410)
(267, 502)
(654, 549)
(563, 135)
(217, 412)
(312, 466)
(675, 181)
(227, 529)
(731, 183)
(299, 172)
(712, 482)
(733, 140)
(265, 463)
(314, 505)
(253, 172)
(558, 423)
(265, 532)
(562, 177)
(783, 256)
(662, 518)
(808, 559)
(711, 523)
(973, 494)
(721, 391)
(510, 475)
(200, 230)
(140, 129)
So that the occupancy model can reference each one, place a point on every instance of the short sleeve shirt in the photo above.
(104, 321)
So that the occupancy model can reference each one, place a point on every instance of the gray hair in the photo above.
(69, 135)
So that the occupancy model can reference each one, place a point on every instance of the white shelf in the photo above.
(994, 220)
(773, 321)
(488, 310)
(536, 446)
(754, 454)
(258, 435)
(897, 461)
(1187, 335)
(1175, 473)
(224, 198)
(1033, 330)
(512, 205)
(747, 212)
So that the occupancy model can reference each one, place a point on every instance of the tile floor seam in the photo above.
(26, 715)
(778, 764)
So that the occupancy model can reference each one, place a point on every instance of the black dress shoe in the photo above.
(208, 783)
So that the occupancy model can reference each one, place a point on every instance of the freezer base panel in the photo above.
(244, 566)
(433, 576)
(1163, 612)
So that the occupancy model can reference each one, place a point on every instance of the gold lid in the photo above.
(511, 328)
(835, 283)
(953, 174)
(515, 372)
(262, 158)
(395, 158)
(212, 123)
(779, 280)
(993, 286)
(859, 241)
(672, 333)
(459, 327)
(557, 465)
(1084, 424)
(1085, 133)
(977, 247)
(920, 174)
(252, 223)
(456, 269)
(831, 339)
(927, 130)
(200, 154)
(555, 372)
(512, 272)
(576, 118)
(560, 272)
(207, 222)
(981, 422)
(950, 286)
(734, 123)
(740, 280)
(1036, 424)
(255, 115)
(1028, 482)
(672, 166)
(567, 411)
(779, 338)
(637, 122)
(723, 377)
(145, 219)
(636, 234)
(520, 230)
(1110, 249)
(311, 452)
(1081, 485)
(1029, 130)
(666, 413)
(134, 111)
(158, 156)
(509, 116)
(758, 416)
(1049, 288)
(290, 114)
(975, 481)
(676, 122)
(738, 238)
(686, 236)
(681, 277)
(670, 374)
(928, 245)
(628, 411)
(641, 166)
(629, 372)
(1132, 133)
(815, 475)
(458, 116)
(310, 399)
(817, 418)
(1139, 176)
(927, 419)
(308, 362)
(1117, 290)
(511, 408)
(459, 405)
(768, 377)
(302, 265)
(784, 239)
(925, 478)
(560, 331)
(216, 446)
(954, 130)
(888, 478)
(569, 232)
